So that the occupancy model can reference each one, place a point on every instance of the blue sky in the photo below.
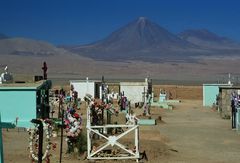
(85, 21)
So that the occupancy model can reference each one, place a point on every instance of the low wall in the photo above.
(180, 92)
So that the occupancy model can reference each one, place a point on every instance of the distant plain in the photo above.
(62, 68)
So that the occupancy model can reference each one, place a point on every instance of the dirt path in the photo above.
(198, 134)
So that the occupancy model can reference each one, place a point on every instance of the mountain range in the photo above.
(205, 39)
(140, 39)
(145, 40)
(27, 47)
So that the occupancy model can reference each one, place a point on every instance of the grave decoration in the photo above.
(122, 102)
(39, 136)
(6, 77)
(73, 128)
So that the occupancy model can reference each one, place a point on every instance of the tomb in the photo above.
(24, 101)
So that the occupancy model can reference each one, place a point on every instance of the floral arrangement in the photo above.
(73, 128)
(73, 122)
(34, 138)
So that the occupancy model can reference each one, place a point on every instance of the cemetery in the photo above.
(98, 121)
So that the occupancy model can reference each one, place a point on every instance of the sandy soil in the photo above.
(188, 133)
(75, 67)
(199, 135)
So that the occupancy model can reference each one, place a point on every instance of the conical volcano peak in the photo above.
(142, 21)
(139, 37)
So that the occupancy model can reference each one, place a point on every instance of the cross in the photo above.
(3, 125)
(44, 68)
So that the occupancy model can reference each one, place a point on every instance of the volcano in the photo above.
(145, 40)
(141, 39)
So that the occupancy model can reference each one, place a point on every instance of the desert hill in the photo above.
(27, 47)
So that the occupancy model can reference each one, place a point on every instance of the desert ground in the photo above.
(65, 67)
(188, 133)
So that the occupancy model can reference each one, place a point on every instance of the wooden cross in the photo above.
(44, 68)
(3, 125)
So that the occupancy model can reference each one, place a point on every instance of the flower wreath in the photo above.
(33, 140)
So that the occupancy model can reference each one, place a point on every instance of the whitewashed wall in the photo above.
(133, 90)
(83, 87)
